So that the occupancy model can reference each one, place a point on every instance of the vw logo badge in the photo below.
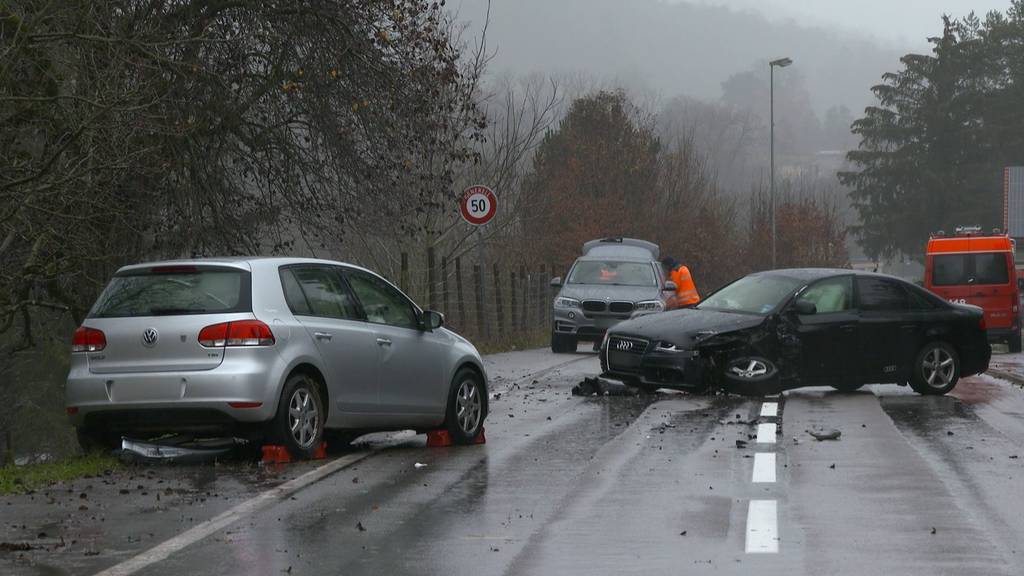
(149, 337)
(624, 345)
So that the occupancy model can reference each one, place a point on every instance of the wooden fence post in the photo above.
(524, 314)
(498, 308)
(444, 284)
(513, 318)
(403, 277)
(463, 322)
(431, 278)
(478, 289)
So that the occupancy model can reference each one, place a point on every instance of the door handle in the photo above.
(383, 341)
(323, 335)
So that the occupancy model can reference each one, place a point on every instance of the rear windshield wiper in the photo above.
(173, 311)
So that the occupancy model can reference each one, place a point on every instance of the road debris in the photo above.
(419, 465)
(359, 526)
(602, 387)
(177, 450)
(821, 435)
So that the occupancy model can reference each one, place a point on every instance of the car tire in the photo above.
(1014, 344)
(562, 344)
(467, 407)
(936, 369)
(299, 424)
(847, 387)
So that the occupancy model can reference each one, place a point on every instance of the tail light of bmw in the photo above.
(236, 334)
(88, 339)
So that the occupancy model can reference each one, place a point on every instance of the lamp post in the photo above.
(781, 63)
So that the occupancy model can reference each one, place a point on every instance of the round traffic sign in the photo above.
(478, 205)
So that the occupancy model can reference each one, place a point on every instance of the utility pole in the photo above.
(781, 63)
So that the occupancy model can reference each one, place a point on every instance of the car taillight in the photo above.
(982, 324)
(238, 333)
(88, 340)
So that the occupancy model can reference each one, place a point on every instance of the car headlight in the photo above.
(650, 306)
(664, 346)
(567, 303)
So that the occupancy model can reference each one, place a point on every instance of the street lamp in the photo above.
(781, 63)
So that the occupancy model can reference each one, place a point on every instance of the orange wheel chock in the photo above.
(441, 438)
(277, 454)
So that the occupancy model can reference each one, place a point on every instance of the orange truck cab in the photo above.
(977, 268)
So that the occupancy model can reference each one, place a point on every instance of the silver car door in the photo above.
(412, 361)
(322, 303)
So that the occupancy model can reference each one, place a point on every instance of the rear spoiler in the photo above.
(644, 244)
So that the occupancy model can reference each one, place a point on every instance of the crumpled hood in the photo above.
(682, 327)
(601, 292)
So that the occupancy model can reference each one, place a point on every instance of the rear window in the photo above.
(175, 290)
(611, 273)
(968, 268)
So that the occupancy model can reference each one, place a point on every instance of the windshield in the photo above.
(174, 291)
(611, 273)
(757, 294)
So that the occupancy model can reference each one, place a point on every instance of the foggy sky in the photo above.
(671, 47)
(902, 23)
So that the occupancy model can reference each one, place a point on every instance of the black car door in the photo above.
(888, 329)
(827, 339)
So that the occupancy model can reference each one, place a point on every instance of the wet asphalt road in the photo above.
(596, 485)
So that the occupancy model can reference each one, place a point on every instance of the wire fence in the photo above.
(498, 304)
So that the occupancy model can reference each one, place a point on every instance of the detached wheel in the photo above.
(936, 369)
(467, 407)
(299, 424)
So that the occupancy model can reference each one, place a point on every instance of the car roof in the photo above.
(241, 262)
(811, 274)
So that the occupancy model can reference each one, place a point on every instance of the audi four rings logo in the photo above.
(624, 345)
(150, 336)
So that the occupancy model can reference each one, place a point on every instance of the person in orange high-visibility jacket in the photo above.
(686, 291)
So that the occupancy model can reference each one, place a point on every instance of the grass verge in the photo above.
(22, 479)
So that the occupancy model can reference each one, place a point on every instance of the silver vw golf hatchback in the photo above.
(287, 349)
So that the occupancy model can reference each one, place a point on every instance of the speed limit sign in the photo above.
(478, 205)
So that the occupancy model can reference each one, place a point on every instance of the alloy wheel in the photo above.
(938, 368)
(468, 406)
(303, 418)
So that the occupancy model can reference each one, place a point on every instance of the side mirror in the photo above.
(431, 320)
(670, 286)
(556, 282)
(804, 308)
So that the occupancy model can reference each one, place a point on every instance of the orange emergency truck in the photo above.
(976, 268)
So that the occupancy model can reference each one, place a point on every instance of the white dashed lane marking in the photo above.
(762, 527)
(764, 468)
(766, 433)
(770, 409)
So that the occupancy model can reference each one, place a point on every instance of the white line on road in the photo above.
(762, 527)
(770, 409)
(766, 433)
(205, 529)
(764, 468)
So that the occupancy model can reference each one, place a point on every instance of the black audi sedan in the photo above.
(784, 329)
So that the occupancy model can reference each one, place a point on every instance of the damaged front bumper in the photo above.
(681, 370)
